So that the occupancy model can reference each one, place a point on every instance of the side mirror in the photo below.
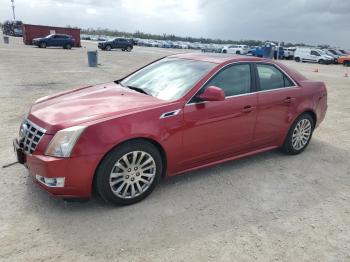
(213, 93)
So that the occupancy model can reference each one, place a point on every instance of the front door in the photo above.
(221, 128)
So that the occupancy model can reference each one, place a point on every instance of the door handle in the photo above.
(248, 109)
(289, 100)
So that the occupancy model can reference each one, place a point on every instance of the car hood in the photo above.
(87, 104)
(38, 39)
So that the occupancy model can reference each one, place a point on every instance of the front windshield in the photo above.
(169, 78)
(48, 36)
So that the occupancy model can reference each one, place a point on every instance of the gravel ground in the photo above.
(269, 207)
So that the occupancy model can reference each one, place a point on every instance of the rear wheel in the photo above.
(129, 173)
(224, 51)
(68, 46)
(299, 135)
(128, 48)
(346, 63)
(238, 52)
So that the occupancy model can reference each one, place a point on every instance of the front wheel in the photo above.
(299, 135)
(321, 61)
(108, 48)
(43, 45)
(297, 59)
(129, 173)
(346, 63)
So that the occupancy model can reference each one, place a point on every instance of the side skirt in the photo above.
(224, 160)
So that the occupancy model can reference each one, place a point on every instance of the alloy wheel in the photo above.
(301, 134)
(132, 174)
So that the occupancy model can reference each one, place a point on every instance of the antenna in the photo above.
(13, 10)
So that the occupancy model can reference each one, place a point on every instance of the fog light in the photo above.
(51, 181)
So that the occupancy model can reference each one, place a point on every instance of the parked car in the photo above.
(344, 52)
(13, 28)
(236, 49)
(345, 60)
(177, 114)
(57, 40)
(116, 43)
(312, 55)
(334, 56)
(289, 52)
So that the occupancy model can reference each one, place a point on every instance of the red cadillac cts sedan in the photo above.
(177, 114)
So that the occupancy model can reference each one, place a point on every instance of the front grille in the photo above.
(29, 136)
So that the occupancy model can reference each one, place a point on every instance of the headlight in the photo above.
(63, 142)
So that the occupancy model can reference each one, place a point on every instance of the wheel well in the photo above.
(313, 115)
(153, 142)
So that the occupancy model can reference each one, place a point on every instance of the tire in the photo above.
(321, 61)
(224, 51)
(128, 48)
(68, 46)
(291, 145)
(108, 48)
(43, 45)
(346, 63)
(238, 52)
(297, 59)
(116, 184)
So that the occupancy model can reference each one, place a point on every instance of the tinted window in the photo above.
(234, 80)
(271, 78)
(315, 53)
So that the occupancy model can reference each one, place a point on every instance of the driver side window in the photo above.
(234, 80)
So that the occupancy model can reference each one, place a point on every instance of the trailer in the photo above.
(35, 31)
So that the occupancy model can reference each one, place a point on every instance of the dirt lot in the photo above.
(269, 207)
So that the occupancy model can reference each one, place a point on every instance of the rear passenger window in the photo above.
(272, 78)
(234, 80)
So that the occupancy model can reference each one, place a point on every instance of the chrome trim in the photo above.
(36, 126)
(251, 93)
(27, 136)
(170, 113)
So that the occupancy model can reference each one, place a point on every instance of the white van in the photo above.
(312, 55)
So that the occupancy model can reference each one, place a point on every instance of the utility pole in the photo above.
(13, 10)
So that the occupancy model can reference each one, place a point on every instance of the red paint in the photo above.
(35, 31)
(200, 135)
(213, 93)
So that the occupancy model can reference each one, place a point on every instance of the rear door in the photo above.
(278, 96)
(220, 128)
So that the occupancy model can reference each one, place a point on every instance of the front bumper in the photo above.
(76, 172)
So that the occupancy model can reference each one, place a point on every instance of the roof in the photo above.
(217, 58)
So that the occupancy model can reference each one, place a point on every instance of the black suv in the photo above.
(65, 41)
(117, 43)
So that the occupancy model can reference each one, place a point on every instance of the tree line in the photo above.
(171, 37)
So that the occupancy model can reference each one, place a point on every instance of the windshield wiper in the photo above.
(140, 90)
